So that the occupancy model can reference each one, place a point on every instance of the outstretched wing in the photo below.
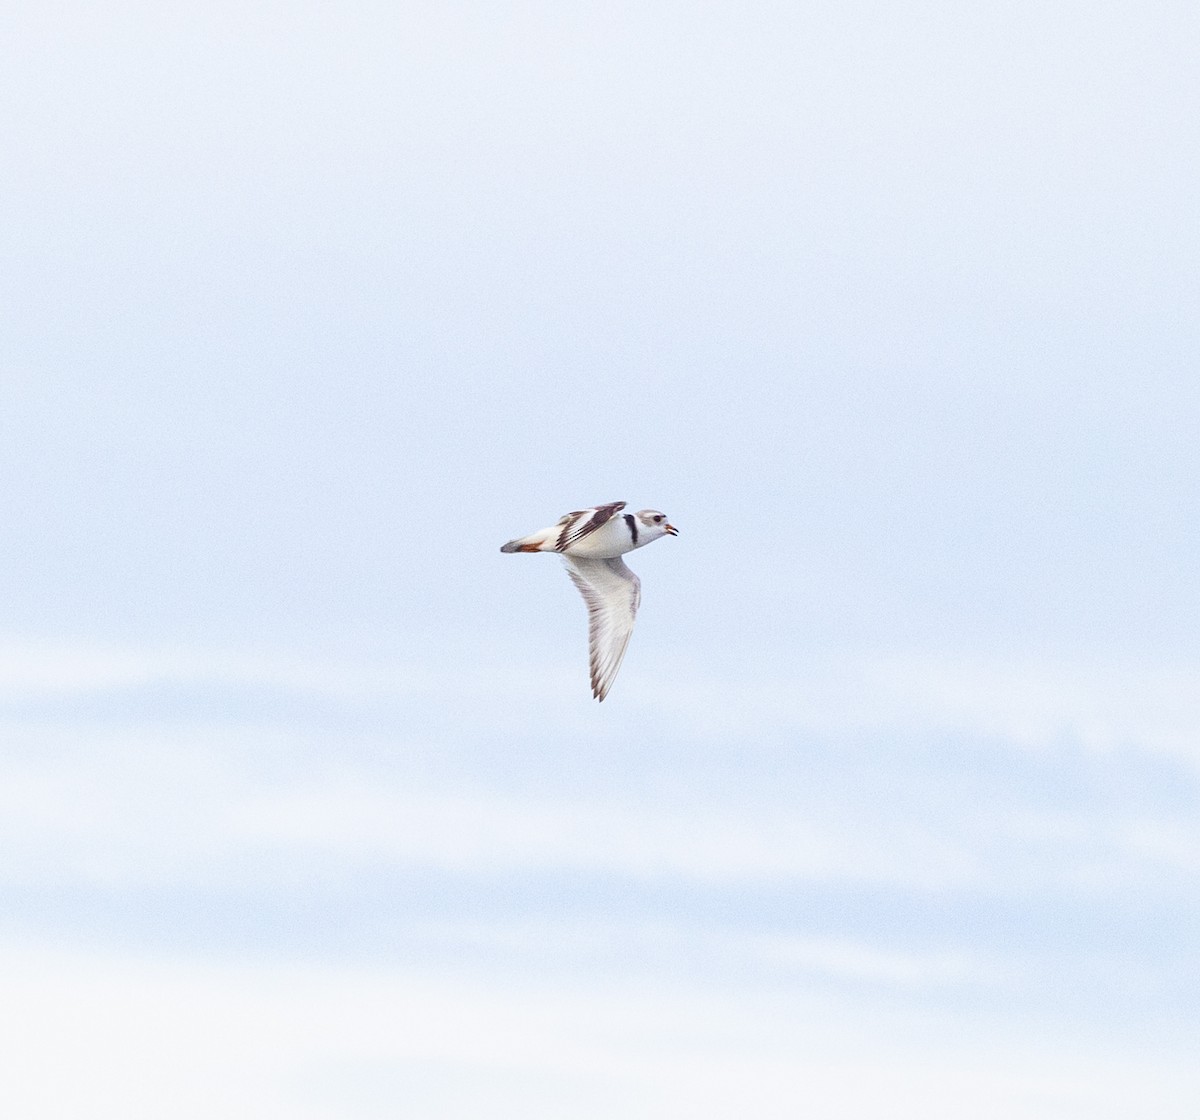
(577, 525)
(612, 594)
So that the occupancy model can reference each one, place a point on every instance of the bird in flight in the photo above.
(591, 543)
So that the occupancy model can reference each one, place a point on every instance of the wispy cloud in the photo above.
(1022, 702)
(38, 669)
(490, 831)
(142, 804)
(314, 1043)
(227, 796)
(1027, 703)
(849, 960)
(1038, 703)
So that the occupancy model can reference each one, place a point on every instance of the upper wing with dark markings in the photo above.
(577, 525)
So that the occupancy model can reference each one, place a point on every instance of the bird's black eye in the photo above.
(658, 518)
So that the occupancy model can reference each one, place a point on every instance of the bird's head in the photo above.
(655, 524)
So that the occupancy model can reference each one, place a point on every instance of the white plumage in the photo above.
(591, 543)
(612, 594)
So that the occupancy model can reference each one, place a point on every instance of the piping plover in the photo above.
(591, 543)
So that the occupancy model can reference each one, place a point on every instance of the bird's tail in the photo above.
(535, 542)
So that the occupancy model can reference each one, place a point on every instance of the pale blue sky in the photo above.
(305, 809)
